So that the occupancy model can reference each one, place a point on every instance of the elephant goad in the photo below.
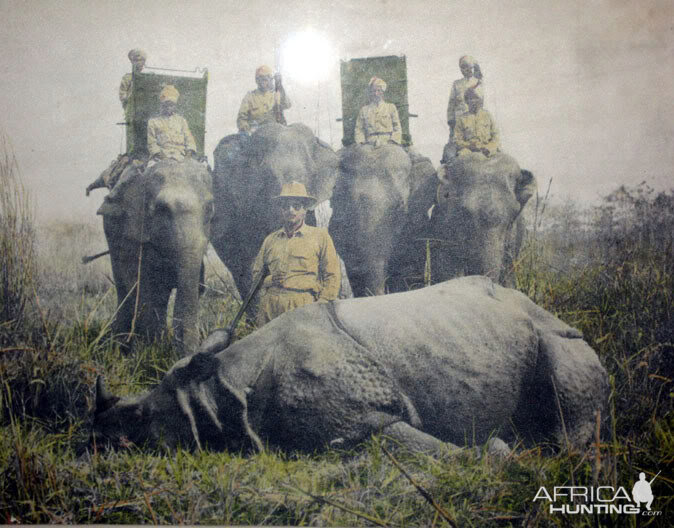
(477, 227)
(249, 171)
(157, 232)
(380, 198)
(456, 362)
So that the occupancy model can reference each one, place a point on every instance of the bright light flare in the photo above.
(307, 56)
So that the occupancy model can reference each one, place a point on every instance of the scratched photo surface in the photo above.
(395, 398)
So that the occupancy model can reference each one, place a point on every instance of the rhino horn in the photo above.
(104, 400)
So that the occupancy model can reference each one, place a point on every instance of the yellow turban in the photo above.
(376, 82)
(169, 93)
(137, 54)
(262, 71)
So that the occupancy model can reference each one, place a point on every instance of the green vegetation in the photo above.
(608, 271)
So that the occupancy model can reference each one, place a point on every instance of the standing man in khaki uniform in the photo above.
(137, 58)
(457, 105)
(378, 123)
(168, 134)
(299, 262)
(264, 104)
(475, 131)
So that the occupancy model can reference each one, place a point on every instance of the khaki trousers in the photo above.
(275, 301)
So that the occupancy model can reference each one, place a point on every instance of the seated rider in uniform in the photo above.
(475, 131)
(168, 134)
(299, 263)
(264, 104)
(168, 138)
(378, 122)
(457, 105)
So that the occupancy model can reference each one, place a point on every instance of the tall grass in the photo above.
(17, 237)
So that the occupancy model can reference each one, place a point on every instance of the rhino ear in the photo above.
(525, 187)
(104, 400)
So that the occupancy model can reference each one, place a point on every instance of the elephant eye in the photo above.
(162, 209)
(209, 211)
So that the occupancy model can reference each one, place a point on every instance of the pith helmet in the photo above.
(169, 93)
(296, 190)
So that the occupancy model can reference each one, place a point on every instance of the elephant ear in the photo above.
(128, 210)
(104, 400)
(525, 187)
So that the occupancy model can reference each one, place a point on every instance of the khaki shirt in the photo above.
(125, 88)
(170, 136)
(457, 105)
(307, 262)
(377, 124)
(474, 132)
(257, 108)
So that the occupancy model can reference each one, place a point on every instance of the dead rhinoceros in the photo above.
(456, 362)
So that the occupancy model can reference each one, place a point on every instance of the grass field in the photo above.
(608, 271)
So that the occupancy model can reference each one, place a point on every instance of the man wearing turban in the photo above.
(264, 104)
(475, 131)
(168, 134)
(378, 122)
(137, 58)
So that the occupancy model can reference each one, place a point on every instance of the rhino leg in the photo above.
(414, 439)
(568, 386)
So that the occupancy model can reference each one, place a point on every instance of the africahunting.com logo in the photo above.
(574, 500)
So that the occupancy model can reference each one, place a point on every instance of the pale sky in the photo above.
(581, 90)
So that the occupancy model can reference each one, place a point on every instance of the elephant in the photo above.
(451, 364)
(380, 198)
(477, 226)
(248, 172)
(157, 231)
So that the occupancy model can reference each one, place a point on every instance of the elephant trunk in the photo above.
(488, 255)
(186, 308)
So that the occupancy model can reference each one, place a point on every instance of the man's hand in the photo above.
(278, 80)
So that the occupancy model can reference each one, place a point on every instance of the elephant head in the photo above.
(249, 171)
(370, 207)
(476, 226)
(158, 231)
